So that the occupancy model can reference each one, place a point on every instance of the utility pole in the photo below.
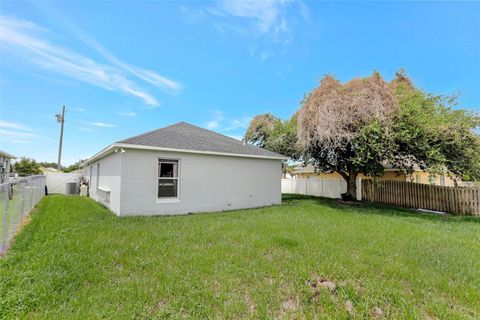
(61, 120)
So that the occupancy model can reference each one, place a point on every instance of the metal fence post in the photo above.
(22, 206)
(5, 216)
(36, 192)
(32, 197)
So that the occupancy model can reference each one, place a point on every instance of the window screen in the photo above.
(167, 178)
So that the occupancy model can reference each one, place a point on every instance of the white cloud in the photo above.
(212, 124)
(13, 125)
(234, 136)
(20, 38)
(267, 21)
(78, 109)
(86, 129)
(190, 15)
(268, 17)
(265, 55)
(22, 141)
(101, 124)
(127, 114)
(226, 124)
(16, 134)
(217, 119)
(241, 123)
(265, 14)
(155, 79)
(147, 75)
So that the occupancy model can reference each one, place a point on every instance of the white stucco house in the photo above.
(183, 169)
(5, 166)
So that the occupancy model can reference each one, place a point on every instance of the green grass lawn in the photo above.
(77, 260)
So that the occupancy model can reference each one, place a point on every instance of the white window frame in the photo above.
(98, 175)
(169, 160)
(90, 176)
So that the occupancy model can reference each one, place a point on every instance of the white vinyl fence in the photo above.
(57, 181)
(315, 186)
(17, 199)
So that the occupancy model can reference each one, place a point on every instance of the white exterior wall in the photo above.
(57, 181)
(110, 180)
(206, 183)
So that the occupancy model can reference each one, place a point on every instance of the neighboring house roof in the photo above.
(7, 155)
(304, 169)
(185, 137)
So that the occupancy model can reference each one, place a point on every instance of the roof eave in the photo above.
(98, 155)
(7, 155)
(110, 148)
(242, 155)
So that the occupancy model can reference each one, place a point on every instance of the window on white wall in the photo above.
(167, 178)
(98, 174)
(90, 177)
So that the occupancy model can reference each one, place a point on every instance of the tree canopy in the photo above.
(333, 114)
(345, 128)
(73, 167)
(274, 134)
(46, 164)
(26, 167)
(367, 124)
(430, 134)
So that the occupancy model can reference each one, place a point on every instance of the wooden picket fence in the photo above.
(455, 200)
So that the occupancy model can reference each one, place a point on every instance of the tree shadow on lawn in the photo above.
(377, 209)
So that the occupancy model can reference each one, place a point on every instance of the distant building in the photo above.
(5, 166)
(418, 176)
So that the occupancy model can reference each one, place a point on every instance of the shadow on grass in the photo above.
(377, 209)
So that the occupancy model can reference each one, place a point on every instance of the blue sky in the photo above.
(123, 68)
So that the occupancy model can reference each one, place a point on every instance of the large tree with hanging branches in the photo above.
(346, 128)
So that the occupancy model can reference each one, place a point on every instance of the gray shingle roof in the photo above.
(185, 136)
(7, 155)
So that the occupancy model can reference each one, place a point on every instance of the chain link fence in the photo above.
(17, 199)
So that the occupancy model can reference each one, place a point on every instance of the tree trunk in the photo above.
(351, 179)
(352, 187)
